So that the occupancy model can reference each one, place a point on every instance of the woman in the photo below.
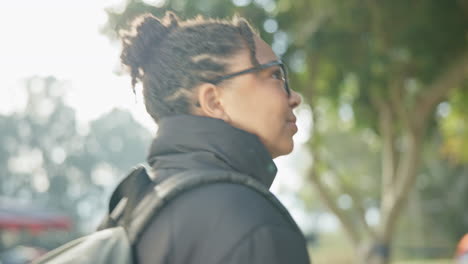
(221, 101)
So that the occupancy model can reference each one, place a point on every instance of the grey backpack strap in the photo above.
(177, 184)
(125, 197)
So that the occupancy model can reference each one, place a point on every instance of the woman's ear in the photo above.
(209, 99)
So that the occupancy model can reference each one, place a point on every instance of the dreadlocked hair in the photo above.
(170, 57)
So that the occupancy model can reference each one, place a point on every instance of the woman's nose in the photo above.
(295, 99)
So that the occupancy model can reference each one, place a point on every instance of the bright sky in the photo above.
(61, 38)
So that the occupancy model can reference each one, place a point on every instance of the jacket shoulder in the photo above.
(208, 220)
(235, 203)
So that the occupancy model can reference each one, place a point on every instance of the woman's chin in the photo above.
(284, 150)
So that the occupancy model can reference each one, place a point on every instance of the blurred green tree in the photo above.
(48, 157)
(387, 65)
(454, 126)
(375, 74)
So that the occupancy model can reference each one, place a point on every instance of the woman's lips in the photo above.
(293, 126)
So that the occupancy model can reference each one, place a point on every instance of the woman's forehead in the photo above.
(264, 51)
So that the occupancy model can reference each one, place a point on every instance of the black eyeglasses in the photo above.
(283, 72)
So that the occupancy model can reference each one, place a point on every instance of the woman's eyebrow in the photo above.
(275, 68)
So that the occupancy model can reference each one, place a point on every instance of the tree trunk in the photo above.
(374, 252)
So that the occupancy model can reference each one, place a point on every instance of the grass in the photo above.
(335, 249)
(429, 261)
(340, 259)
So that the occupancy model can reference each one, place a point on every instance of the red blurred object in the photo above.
(35, 219)
(462, 247)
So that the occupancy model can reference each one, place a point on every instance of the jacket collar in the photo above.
(197, 142)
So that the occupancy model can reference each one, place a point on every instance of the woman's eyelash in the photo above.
(277, 74)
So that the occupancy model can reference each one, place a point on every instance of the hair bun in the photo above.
(142, 40)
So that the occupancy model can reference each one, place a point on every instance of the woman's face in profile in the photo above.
(258, 102)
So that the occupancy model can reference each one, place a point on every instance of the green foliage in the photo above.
(186, 9)
(454, 127)
(388, 46)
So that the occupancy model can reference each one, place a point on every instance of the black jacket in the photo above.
(218, 223)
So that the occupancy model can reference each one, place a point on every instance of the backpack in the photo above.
(129, 215)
